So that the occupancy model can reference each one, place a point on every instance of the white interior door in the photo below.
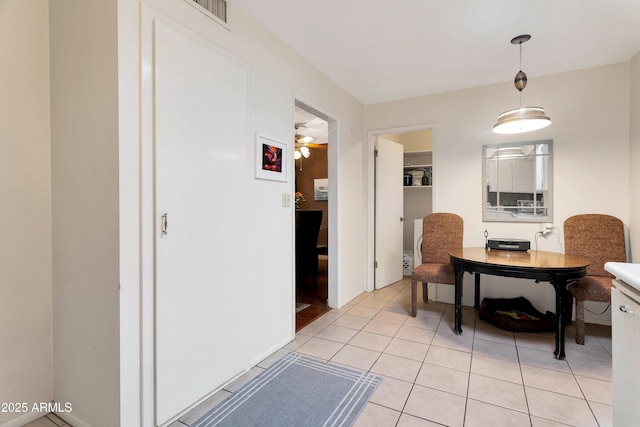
(200, 102)
(388, 216)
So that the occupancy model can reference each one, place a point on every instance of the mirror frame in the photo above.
(548, 191)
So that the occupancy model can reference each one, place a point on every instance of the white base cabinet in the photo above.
(625, 329)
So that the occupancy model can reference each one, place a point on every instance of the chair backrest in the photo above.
(307, 228)
(441, 232)
(596, 237)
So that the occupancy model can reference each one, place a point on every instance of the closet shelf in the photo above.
(416, 186)
(416, 166)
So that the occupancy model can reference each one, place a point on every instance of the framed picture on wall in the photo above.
(272, 158)
(321, 189)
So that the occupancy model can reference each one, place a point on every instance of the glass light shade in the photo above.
(520, 120)
(305, 152)
(304, 139)
(296, 155)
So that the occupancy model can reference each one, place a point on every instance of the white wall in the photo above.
(84, 145)
(634, 161)
(590, 129)
(129, 233)
(25, 190)
(277, 73)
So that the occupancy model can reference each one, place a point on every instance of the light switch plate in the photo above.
(286, 200)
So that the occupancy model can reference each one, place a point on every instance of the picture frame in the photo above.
(272, 158)
(321, 189)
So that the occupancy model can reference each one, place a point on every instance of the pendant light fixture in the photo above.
(522, 119)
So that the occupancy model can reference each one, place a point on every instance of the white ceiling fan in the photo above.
(302, 145)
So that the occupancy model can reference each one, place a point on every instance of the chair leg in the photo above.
(580, 321)
(414, 297)
(425, 292)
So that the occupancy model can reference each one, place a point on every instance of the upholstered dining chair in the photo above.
(600, 239)
(441, 232)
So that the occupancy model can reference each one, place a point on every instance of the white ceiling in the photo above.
(307, 124)
(385, 50)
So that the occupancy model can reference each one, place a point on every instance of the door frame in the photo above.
(370, 170)
(332, 165)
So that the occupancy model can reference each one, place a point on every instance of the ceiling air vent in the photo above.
(217, 7)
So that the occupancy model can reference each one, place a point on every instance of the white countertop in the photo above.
(627, 272)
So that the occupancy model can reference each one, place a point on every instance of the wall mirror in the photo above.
(517, 182)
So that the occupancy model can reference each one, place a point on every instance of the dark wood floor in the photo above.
(316, 297)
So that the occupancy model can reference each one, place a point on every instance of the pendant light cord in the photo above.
(520, 94)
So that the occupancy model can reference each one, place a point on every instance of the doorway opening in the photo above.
(398, 204)
(313, 213)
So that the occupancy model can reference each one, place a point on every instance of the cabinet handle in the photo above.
(625, 309)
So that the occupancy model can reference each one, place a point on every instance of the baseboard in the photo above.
(597, 313)
(34, 415)
(270, 351)
(23, 419)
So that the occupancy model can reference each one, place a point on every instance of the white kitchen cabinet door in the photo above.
(523, 172)
(201, 163)
(625, 331)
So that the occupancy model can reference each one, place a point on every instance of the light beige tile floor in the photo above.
(49, 420)
(433, 377)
